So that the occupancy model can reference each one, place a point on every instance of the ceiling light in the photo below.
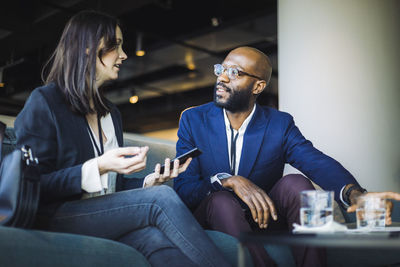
(133, 99)
(139, 45)
(189, 60)
(191, 66)
(215, 22)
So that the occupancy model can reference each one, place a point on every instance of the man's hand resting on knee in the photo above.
(261, 206)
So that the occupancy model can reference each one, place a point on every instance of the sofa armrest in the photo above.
(20, 247)
(159, 149)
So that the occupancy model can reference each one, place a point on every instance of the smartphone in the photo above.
(182, 158)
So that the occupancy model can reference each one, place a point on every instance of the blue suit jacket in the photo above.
(60, 140)
(271, 140)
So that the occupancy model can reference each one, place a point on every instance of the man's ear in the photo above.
(259, 87)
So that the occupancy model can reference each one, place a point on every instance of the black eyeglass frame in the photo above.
(240, 72)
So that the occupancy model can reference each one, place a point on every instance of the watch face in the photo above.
(223, 175)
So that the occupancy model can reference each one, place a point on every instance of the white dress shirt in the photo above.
(239, 144)
(239, 141)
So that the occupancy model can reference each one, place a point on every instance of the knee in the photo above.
(291, 185)
(165, 193)
(287, 190)
(223, 202)
(295, 183)
(222, 198)
(162, 189)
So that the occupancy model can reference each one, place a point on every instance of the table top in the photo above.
(384, 240)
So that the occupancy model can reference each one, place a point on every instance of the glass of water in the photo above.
(316, 207)
(370, 213)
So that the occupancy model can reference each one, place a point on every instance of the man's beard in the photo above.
(238, 100)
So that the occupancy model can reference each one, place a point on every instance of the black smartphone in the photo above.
(182, 158)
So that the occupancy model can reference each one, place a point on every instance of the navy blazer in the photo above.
(60, 140)
(271, 140)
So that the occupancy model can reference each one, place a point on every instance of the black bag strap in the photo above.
(2, 131)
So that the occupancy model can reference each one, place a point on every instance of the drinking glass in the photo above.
(316, 207)
(370, 213)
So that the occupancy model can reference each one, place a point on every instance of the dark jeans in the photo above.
(221, 211)
(154, 221)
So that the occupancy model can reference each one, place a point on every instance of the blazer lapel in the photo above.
(214, 121)
(252, 141)
(82, 136)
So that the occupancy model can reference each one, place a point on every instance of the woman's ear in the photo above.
(259, 87)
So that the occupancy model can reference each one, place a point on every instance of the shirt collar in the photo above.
(244, 125)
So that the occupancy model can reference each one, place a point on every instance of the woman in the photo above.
(76, 135)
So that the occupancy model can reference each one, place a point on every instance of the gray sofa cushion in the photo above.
(19, 247)
(9, 141)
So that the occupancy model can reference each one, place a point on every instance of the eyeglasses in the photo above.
(233, 73)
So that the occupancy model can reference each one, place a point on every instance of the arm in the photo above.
(35, 126)
(320, 168)
(190, 185)
(61, 172)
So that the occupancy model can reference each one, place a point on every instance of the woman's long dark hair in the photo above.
(73, 63)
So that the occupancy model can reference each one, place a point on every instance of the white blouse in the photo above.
(93, 183)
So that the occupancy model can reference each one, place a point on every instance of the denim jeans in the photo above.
(154, 221)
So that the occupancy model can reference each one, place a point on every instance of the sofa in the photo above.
(25, 247)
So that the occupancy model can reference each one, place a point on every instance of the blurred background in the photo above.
(172, 46)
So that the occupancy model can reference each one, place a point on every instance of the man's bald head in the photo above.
(256, 61)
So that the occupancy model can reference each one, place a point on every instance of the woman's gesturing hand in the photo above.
(156, 178)
(123, 160)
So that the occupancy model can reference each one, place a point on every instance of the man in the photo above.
(236, 185)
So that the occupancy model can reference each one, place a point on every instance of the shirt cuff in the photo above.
(146, 179)
(341, 198)
(216, 183)
(91, 180)
(214, 179)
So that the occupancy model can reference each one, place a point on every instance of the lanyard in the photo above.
(100, 150)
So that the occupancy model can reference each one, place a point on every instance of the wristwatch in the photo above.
(223, 175)
(351, 188)
(216, 181)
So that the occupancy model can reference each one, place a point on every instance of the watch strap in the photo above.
(350, 189)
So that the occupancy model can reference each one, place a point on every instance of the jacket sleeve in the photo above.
(320, 168)
(190, 185)
(35, 126)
